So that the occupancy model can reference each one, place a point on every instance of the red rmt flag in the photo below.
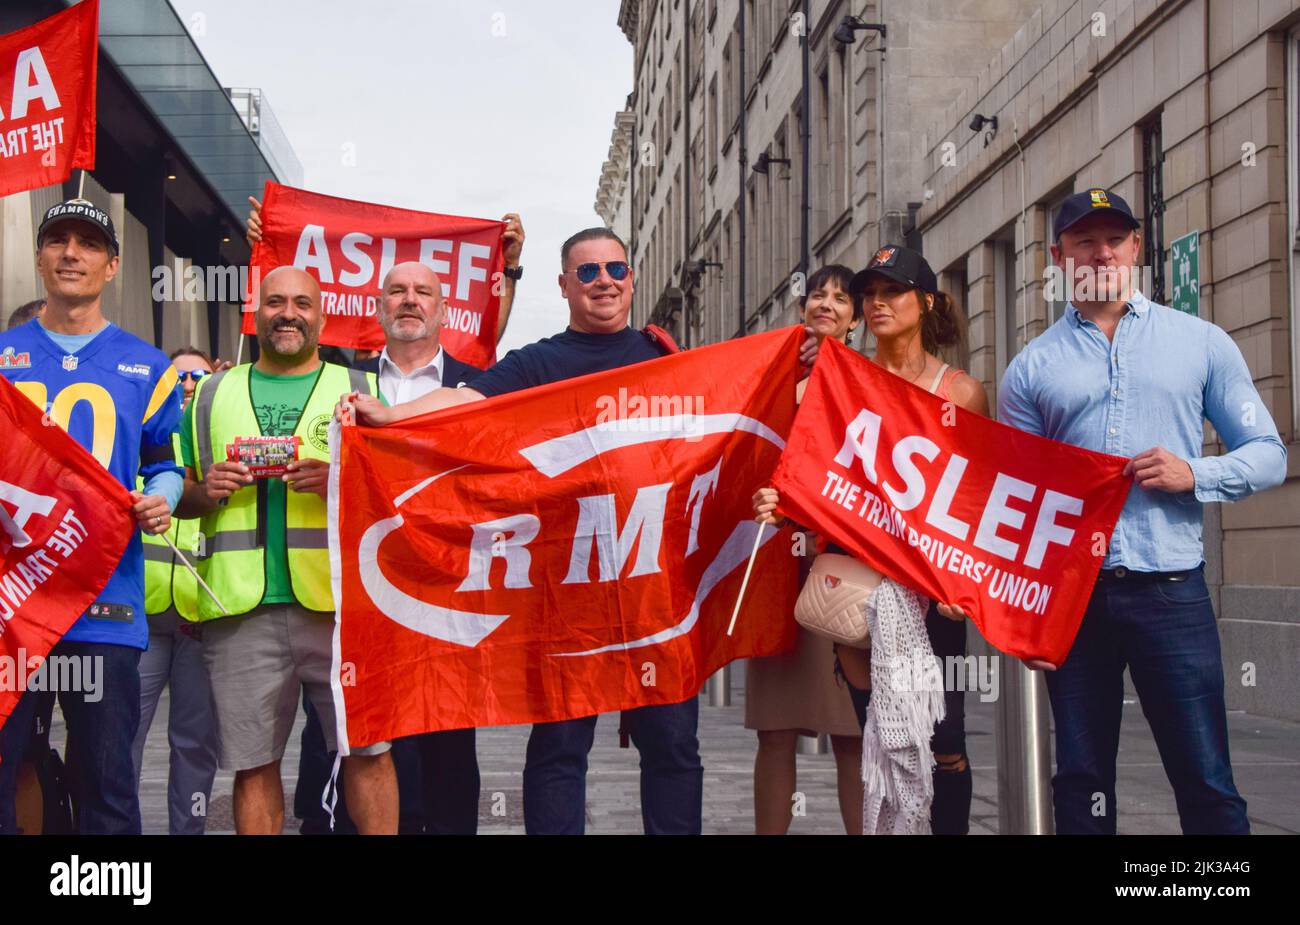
(564, 551)
(1010, 526)
(47, 99)
(349, 246)
(64, 524)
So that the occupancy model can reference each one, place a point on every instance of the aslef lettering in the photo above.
(862, 442)
(32, 83)
(355, 261)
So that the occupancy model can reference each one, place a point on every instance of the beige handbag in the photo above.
(833, 601)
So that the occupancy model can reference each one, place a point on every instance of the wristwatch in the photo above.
(515, 273)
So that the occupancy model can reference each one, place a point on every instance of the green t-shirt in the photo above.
(278, 402)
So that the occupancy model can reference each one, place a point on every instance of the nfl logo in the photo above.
(70, 362)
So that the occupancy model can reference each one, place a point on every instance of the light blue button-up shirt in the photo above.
(1153, 385)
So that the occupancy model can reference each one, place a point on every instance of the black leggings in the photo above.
(950, 811)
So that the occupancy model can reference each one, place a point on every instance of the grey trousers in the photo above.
(175, 656)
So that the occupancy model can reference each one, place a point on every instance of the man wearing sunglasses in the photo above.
(597, 282)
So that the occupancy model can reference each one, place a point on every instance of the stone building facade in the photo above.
(1187, 108)
(712, 178)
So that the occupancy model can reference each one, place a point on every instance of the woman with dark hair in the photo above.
(912, 321)
(796, 694)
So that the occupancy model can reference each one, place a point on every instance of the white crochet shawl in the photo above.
(897, 763)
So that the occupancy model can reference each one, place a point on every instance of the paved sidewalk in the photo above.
(1265, 752)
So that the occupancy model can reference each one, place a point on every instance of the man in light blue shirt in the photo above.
(1123, 375)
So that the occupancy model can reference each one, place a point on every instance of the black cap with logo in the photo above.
(84, 211)
(1090, 202)
(902, 265)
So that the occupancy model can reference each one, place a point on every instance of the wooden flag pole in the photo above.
(203, 584)
(758, 539)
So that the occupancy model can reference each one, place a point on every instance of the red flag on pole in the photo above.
(1010, 526)
(47, 99)
(64, 524)
(349, 246)
(563, 551)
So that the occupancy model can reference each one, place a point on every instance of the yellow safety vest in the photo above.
(166, 581)
(233, 551)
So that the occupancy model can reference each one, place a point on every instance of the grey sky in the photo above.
(475, 107)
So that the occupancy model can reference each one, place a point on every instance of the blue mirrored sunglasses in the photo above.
(587, 272)
(195, 374)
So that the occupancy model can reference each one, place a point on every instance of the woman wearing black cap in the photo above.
(911, 320)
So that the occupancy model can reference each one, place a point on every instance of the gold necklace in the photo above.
(925, 361)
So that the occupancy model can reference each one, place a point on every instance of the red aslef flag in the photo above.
(563, 551)
(64, 524)
(349, 246)
(1010, 526)
(47, 99)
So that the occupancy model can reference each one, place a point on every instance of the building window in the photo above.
(1153, 209)
(1293, 213)
(1058, 297)
(953, 282)
(1006, 313)
(678, 225)
(842, 129)
(696, 63)
(663, 138)
(681, 87)
(780, 200)
(821, 141)
(697, 179)
(728, 90)
(735, 79)
(794, 190)
(714, 139)
(754, 222)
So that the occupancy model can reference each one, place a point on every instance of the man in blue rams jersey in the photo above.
(117, 397)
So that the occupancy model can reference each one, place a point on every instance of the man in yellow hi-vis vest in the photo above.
(266, 556)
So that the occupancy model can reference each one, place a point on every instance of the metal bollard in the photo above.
(1024, 752)
(819, 744)
(720, 687)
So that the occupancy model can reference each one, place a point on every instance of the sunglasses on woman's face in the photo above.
(195, 374)
(587, 272)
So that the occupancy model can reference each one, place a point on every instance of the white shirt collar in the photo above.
(436, 363)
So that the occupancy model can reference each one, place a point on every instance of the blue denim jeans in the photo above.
(174, 660)
(672, 777)
(1165, 632)
(953, 789)
(100, 767)
(438, 782)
